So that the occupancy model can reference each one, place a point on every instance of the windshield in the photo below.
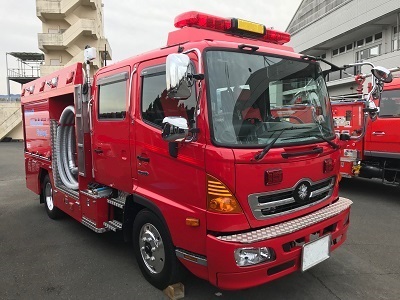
(252, 96)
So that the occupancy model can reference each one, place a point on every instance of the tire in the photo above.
(154, 251)
(47, 192)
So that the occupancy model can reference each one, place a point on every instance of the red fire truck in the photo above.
(375, 151)
(203, 152)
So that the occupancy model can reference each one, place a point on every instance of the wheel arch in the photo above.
(133, 205)
(42, 174)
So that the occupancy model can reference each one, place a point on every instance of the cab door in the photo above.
(110, 130)
(176, 185)
(384, 133)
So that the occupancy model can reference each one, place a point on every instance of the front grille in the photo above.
(266, 205)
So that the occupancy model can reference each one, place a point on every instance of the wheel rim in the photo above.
(48, 193)
(152, 248)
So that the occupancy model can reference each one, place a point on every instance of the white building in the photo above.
(67, 27)
(348, 31)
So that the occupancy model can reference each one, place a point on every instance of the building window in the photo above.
(55, 62)
(395, 41)
(342, 49)
(368, 39)
(394, 45)
(368, 53)
(360, 43)
(323, 56)
(335, 52)
(349, 47)
(375, 51)
(378, 36)
(112, 100)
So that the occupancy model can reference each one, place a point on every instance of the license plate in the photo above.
(315, 252)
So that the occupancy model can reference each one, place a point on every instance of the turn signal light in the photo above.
(220, 199)
(329, 165)
(193, 222)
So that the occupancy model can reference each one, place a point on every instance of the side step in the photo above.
(92, 225)
(113, 225)
(118, 202)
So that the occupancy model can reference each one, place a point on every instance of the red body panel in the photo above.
(348, 119)
(135, 160)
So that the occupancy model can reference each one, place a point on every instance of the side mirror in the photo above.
(382, 74)
(175, 129)
(177, 75)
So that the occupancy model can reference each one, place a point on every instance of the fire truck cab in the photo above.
(216, 152)
(376, 152)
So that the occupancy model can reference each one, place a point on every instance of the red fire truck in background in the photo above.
(375, 152)
(216, 152)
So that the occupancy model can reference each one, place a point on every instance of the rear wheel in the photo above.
(154, 251)
(47, 190)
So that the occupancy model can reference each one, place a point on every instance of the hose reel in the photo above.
(65, 149)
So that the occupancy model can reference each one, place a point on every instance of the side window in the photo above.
(156, 105)
(390, 104)
(112, 100)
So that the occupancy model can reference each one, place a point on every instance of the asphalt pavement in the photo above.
(45, 259)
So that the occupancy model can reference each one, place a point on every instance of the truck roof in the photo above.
(394, 85)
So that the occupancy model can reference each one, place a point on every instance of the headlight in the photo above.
(252, 256)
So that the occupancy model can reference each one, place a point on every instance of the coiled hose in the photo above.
(65, 145)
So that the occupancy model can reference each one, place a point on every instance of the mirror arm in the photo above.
(193, 138)
(198, 52)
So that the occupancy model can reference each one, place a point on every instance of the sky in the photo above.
(132, 26)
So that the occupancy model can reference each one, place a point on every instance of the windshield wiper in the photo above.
(332, 144)
(260, 155)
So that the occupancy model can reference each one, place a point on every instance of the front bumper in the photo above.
(285, 238)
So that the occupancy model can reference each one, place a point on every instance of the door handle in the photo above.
(378, 133)
(144, 159)
(98, 150)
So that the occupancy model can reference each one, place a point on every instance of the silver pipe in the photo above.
(64, 148)
(64, 145)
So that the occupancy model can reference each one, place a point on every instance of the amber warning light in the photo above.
(232, 26)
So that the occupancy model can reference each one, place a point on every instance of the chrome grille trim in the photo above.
(276, 203)
(257, 207)
(321, 191)
(290, 226)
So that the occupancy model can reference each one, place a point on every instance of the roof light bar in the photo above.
(197, 19)
(231, 25)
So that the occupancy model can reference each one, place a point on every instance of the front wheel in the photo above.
(154, 251)
(47, 190)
